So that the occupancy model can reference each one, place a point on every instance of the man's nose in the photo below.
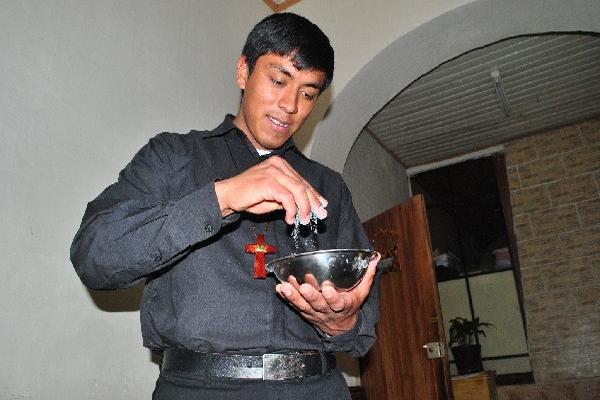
(288, 101)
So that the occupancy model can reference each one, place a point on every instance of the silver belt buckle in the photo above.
(279, 367)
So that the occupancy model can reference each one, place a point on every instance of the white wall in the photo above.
(359, 30)
(84, 84)
(377, 181)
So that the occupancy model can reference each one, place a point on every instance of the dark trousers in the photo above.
(331, 386)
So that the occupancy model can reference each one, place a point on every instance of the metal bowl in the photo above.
(341, 268)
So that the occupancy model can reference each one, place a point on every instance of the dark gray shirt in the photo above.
(161, 222)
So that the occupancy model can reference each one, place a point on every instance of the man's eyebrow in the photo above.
(287, 73)
(314, 86)
(281, 69)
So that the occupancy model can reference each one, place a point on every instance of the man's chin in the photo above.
(273, 145)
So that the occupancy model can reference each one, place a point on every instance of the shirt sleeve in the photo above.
(134, 228)
(358, 340)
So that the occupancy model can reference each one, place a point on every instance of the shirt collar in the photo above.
(227, 126)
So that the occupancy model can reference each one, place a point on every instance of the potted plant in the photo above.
(464, 343)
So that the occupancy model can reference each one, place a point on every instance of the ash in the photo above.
(308, 242)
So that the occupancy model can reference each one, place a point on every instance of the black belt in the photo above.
(270, 366)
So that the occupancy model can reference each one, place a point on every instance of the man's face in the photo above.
(277, 99)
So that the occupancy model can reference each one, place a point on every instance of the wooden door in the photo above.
(398, 366)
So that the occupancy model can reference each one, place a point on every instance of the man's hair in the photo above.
(288, 34)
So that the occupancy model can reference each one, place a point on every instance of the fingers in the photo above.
(269, 186)
(311, 299)
(336, 301)
(351, 300)
(332, 311)
(311, 280)
(294, 282)
(306, 197)
(329, 310)
(301, 297)
(314, 299)
(280, 162)
(313, 304)
(288, 196)
(363, 288)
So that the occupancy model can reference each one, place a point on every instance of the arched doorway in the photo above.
(468, 27)
(475, 25)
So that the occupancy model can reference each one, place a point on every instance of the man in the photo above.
(186, 208)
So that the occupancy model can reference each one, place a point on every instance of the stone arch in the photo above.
(412, 55)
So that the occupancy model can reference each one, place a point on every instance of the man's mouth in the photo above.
(279, 123)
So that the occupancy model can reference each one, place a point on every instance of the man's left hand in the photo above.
(331, 311)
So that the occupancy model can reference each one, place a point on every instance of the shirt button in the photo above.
(157, 256)
(208, 227)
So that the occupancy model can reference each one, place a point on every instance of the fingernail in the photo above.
(323, 202)
(305, 290)
(319, 212)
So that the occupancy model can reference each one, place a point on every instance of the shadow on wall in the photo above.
(123, 300)
(118, 300)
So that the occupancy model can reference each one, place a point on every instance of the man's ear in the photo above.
(242, 72)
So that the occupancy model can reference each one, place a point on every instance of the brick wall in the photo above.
(554, 180)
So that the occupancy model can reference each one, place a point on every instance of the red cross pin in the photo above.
(259, 249)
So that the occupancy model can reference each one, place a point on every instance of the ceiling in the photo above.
(548, 81)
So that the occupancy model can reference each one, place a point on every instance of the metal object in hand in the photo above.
(341, 268)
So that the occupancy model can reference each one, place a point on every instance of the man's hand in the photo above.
(331, 311)
(269, 186)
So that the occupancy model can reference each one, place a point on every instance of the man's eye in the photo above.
(277, 82)
(308, 96)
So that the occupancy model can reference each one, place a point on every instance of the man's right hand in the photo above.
(269, 186)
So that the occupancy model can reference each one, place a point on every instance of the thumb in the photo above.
(364, 286)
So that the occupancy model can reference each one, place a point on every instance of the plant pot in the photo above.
(467, 358)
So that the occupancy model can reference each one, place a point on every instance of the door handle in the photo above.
(388, 265)
(434, 350)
